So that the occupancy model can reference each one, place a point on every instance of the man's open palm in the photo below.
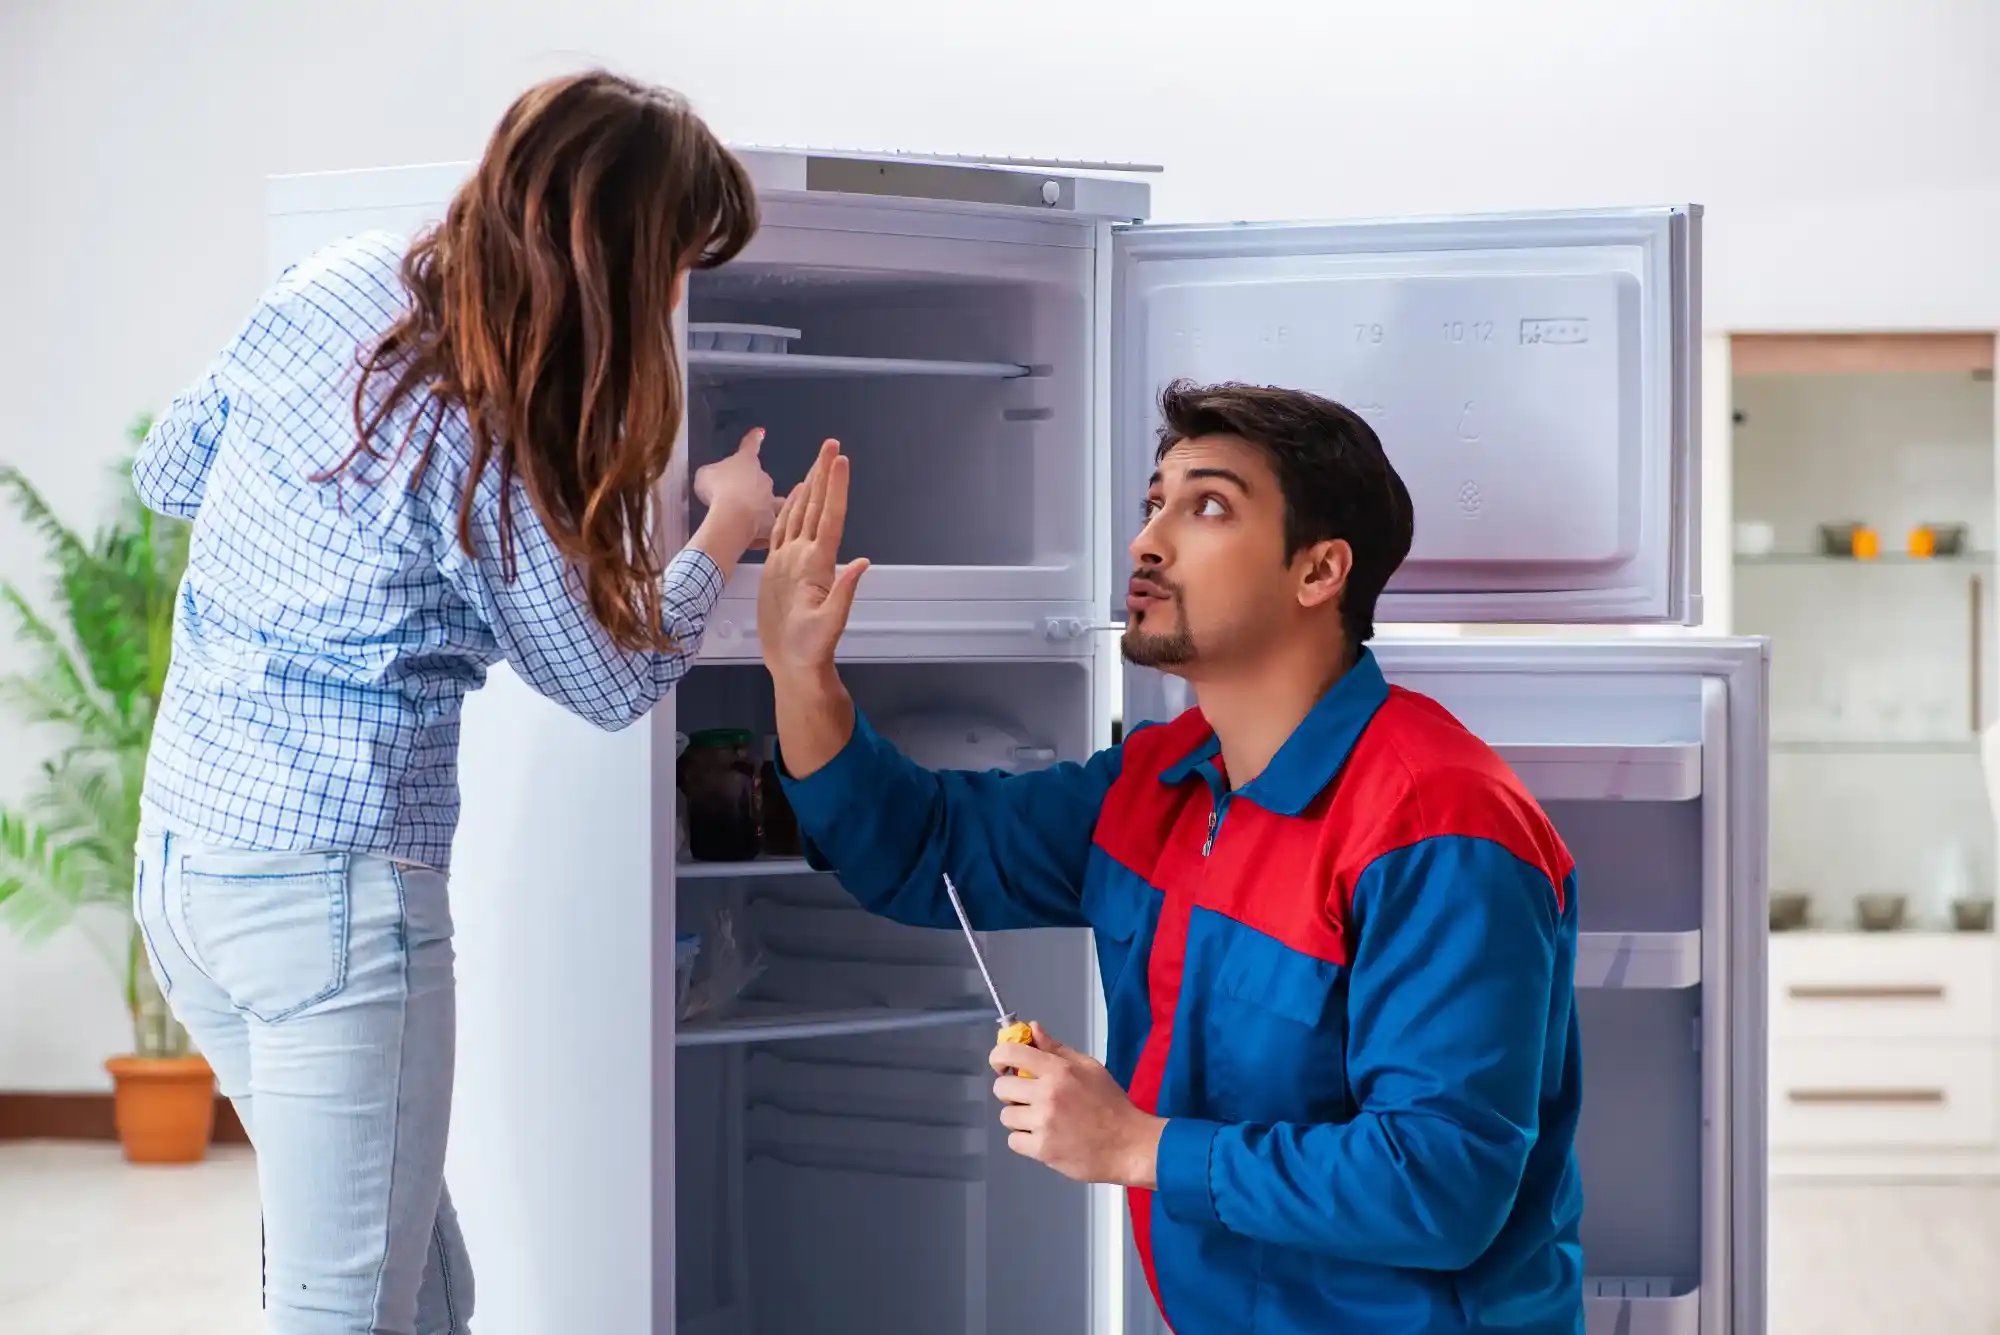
(803, 604)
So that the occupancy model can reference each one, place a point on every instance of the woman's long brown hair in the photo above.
(543, 307)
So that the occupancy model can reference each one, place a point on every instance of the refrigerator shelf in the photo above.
(1606, 772)
(1635, 960)
(688, 870)
(757, 1023)
(1640, 1307)
(798, 365)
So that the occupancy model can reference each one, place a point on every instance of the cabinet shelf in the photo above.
(803, 365)
(1599, 772)
(1962, 559)
(1640, 1307)
(756, 1023)
(1862, 746)
(1638, 960)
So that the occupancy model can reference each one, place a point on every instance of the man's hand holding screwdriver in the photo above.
(1066, 1111)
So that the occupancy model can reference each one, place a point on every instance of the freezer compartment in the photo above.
(954, 374)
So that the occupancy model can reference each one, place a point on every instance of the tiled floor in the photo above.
(90, 1245)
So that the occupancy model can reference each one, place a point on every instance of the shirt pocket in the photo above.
(1275, 1034)
(270, 928)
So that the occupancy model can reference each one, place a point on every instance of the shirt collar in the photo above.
(1317, 748)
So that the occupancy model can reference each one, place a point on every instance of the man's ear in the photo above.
(1323, 569)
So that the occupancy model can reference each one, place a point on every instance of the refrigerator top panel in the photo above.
(1078, 190)
(1533, 376)
(1047, 185)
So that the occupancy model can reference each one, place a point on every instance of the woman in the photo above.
(412, 463)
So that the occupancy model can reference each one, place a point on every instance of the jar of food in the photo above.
(719, 776)
(781, 827)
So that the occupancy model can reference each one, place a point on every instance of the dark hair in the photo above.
(1332, 471)
(542, 306)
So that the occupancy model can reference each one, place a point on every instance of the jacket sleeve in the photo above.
(1016, 845)
(1448, 1020)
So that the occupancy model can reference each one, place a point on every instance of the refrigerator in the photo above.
(987, 338)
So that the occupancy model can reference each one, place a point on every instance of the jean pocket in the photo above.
(142, 913)
(270, 928)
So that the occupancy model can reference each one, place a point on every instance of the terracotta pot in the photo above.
(165, 1107)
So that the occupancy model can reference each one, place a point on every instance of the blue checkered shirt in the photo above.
(327, 632)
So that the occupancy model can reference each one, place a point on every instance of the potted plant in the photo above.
(97, 662)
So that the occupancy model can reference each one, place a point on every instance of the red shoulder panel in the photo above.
(1417, 774)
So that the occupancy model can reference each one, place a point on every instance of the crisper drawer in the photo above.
(1882, 986)
(1841, 1094)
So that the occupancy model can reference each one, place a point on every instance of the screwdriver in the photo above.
(1013, 1029)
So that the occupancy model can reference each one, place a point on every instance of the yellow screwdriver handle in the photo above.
(1019, 1032)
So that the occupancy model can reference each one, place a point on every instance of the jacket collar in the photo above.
(1316, 750)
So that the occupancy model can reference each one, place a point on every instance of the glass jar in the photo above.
(718, 774)
(781, 827)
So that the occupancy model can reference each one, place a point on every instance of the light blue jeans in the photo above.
(320, 988)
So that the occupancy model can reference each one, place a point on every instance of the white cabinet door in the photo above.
(1534, 378)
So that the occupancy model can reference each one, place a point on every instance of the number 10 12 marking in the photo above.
(1468, 331)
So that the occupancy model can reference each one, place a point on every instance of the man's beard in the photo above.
(1172, 649)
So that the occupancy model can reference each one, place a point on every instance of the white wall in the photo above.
(1845, 149)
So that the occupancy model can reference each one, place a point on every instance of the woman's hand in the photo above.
(739, 494)
(803, 602)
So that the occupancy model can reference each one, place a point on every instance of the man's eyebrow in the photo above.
(1223, 474)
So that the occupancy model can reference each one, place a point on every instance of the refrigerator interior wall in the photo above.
(955, 374)
(803, 1162)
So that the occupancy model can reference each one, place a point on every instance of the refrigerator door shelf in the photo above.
(1606, 772)
(1640, 1307)
(1638, 959)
